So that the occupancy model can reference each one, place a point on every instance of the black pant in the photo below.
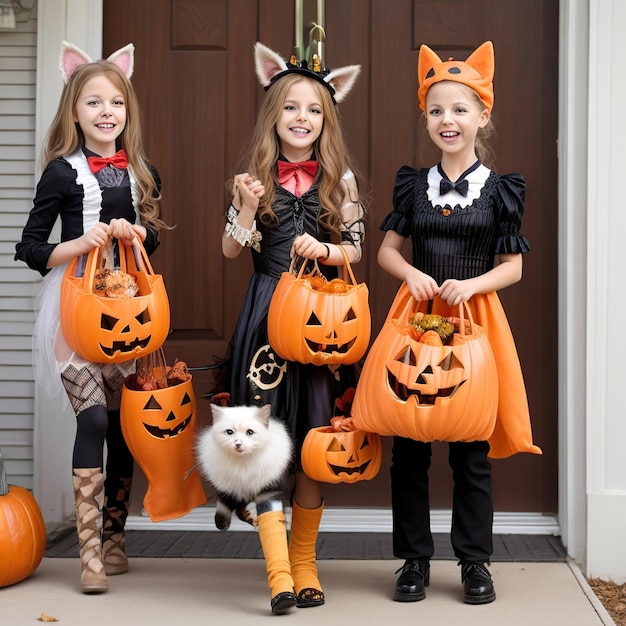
(472, 504)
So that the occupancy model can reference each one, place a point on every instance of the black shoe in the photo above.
(282, 602)
(477, 583)
(310, 597)
(411, 582)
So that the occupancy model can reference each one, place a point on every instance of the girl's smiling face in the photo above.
(300, 122)
(453, 117)
(101, 114)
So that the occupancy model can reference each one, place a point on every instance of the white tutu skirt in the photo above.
(51, 353)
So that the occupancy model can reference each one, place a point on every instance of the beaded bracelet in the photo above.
(243, 236)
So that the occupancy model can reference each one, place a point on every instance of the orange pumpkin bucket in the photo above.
(158, 416)
(102, 321)
(413, 385)
(312, 320)
(341, 454)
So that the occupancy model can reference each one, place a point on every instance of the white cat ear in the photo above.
(71, 58)
(267, 64)
(342, 80)
(216, 411)
(124, 58)
(265, 413)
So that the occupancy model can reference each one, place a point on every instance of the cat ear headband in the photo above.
(72, 57)
(476, 72)
(271, 67)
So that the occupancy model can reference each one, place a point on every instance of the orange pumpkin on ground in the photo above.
(114, 329)
(22, 532)
(314, 321)
(427, 392)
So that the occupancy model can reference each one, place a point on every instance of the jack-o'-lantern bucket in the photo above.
(312, 320)
(414, 385)
(339, 453)
(114, 314)
(158, 416)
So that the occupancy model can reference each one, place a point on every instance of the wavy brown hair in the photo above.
(65, 135)
(330, 150)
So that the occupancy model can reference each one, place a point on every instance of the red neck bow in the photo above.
(297, 177)
(118, 160)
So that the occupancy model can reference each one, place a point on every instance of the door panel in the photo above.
(199, 95)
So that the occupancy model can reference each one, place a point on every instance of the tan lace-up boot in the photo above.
(88, 487)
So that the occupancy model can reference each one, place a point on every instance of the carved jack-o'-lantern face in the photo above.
(335, 456)
(123, 335)
(336, 335)
(410, 375)
(113, 330)
(173, 423)
(322, 324)
(159, 429)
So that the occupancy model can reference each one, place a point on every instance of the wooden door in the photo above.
(199, 96)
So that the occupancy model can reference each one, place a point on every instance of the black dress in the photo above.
(301, 395)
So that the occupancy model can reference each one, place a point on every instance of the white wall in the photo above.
(606, 293)
(18, 54)
(79, 22)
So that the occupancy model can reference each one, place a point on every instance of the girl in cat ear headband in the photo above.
(99, 183)
(295, 196)
(476, 72)
(72, 57)
(271, 67)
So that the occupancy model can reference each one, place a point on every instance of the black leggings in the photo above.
(94, 426)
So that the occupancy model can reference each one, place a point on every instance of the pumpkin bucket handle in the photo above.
(348, 274)
(405, 302)
(85, 265)
(347, 267)
(464, 309)
(300, 273)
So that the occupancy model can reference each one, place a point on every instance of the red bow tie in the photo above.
(118, 160)
(302, 172)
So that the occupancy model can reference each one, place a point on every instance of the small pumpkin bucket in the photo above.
(104, 329)
(427, 392)
(312, 320)
(339, 453)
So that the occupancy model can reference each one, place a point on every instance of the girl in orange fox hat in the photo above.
(464, 222)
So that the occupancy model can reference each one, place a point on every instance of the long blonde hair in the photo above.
(330, 150)
(65, 135)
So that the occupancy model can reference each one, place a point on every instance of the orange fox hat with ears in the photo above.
(476, 72)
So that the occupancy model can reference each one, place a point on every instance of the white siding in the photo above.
(18, 284)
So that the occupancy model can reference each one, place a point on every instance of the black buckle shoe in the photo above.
(282, 602)
(415, 575)
(477, 583)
